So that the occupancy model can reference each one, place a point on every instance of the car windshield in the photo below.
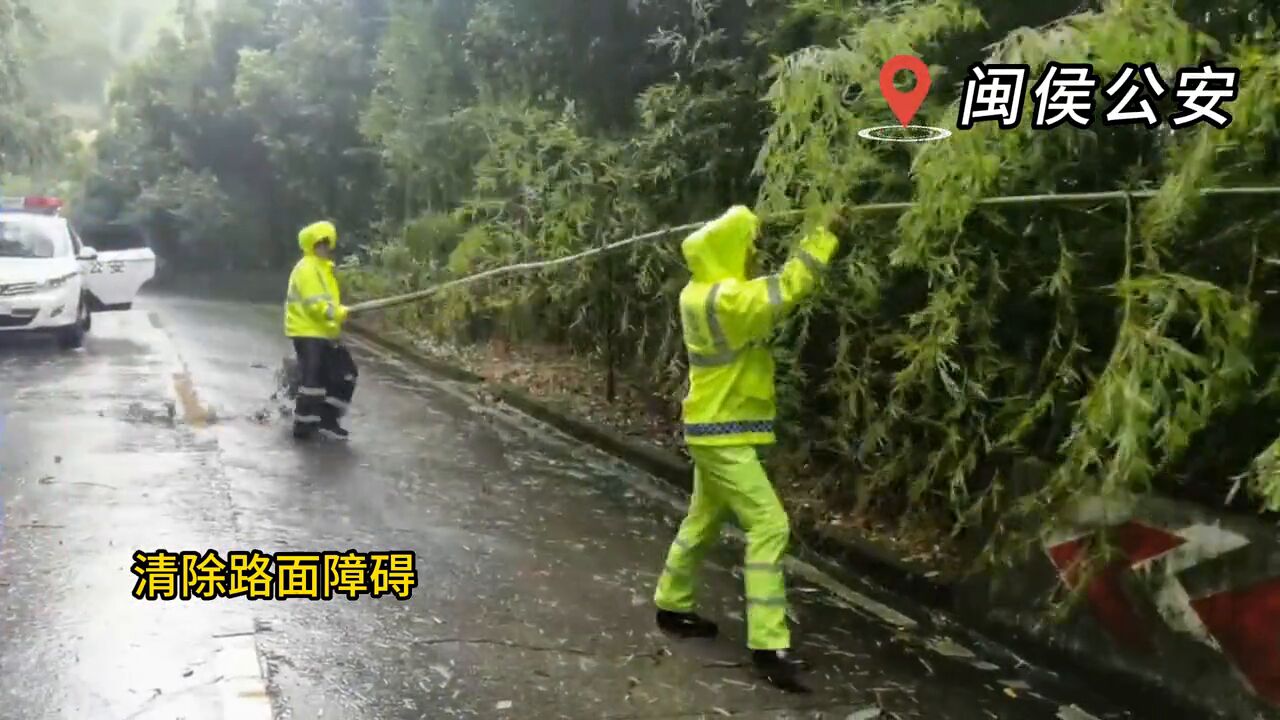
(32, 238)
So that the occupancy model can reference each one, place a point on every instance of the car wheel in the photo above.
(72, 336)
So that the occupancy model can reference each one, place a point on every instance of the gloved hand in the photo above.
(821, 244)
(341, 315)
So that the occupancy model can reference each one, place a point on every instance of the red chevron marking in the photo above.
(1107, 598)
(1246, 624)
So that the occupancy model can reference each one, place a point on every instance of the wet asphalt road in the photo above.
(536, 558)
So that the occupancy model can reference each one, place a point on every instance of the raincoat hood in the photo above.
(719, 250)
(313, 234)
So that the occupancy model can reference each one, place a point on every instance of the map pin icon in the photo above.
(904, 104)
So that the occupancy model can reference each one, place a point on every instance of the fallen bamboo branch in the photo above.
(690, 227)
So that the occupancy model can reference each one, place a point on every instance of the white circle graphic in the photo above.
(936, 133)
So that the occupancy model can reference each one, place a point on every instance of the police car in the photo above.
(50, 281)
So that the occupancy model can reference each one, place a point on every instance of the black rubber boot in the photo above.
(303, 432)
(686, 625)
(780, 669)
(329, 427)
(334, 432)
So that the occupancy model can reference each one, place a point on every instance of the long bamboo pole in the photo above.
(690, 227)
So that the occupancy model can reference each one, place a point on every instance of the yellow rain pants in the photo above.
(730, 479)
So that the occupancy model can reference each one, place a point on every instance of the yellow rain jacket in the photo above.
(727, 322)
(314, 306)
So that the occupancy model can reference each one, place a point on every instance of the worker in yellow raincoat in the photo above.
(728, 412)
(313, 319)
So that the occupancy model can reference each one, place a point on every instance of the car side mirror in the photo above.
(87, 253)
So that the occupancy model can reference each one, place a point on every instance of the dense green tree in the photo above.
(233, 132)
(305, 94)
(29, 130)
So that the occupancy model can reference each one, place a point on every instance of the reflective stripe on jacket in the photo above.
(313, 307)
(727, 321)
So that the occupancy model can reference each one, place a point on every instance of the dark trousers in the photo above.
(327, 382)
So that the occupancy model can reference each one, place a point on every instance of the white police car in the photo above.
(51, 282)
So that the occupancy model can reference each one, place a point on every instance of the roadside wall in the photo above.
(1191, 605)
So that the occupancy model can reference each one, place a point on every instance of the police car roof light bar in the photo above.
(39, 203)
(31, 203)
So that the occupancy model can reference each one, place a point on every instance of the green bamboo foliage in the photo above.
(935, 387)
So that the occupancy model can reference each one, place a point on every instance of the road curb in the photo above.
(840, 556)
